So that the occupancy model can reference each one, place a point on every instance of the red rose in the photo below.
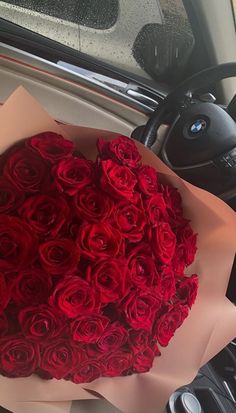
(109, 279)
(10, 196)
(4, 293)
(130, 220)
(121, 149)
(88, 371)
(117, 180)
(156, 209)
(41, 322)
(113, 338)
(117, 364)
(74, 297)
(3, 324)
(26, 171)
(187, 290)
(73, 174)
(155, 349)
(147, 179)
(167, 286)
(142, 266)
(31, 286)
(99, 240)
(143, 361)
(18, 357)
(138, 340)
(93, 352)
(59, 358)
(9, 152)
(178, 262)
(189, 240)
(18, 245)
(44, 375)
(72, 229)
(46, 215)
(59, 256)
(164, 242)
(93, 205)
(173, 202)
(88, 328)
(141, 307)
(51, 146)
(168, 323)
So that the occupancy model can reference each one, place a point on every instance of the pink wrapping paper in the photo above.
(212, 321)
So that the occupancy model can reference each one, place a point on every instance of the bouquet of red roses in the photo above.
(98, 268)
(92, 261)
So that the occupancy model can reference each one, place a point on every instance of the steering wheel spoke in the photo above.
(231, 108)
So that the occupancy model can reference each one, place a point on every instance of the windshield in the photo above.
(151, 38)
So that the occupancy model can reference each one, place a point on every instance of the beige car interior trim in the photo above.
(68, 101)
(76, 75)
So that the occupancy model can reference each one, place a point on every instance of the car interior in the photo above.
(173, 89)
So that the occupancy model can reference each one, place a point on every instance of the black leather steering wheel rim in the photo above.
(199, 80)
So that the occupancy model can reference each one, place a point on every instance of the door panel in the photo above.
(66, 100)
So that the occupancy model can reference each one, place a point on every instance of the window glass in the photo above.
(151, 38)
(84, 12)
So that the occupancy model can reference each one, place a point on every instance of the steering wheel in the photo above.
(201, 143)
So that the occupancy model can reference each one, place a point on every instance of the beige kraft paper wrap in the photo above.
(212, 321)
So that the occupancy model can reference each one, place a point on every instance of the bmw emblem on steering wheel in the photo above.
(198, 126)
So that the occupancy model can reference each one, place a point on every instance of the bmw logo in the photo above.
(198, 126)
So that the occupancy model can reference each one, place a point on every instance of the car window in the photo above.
(151, 38)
